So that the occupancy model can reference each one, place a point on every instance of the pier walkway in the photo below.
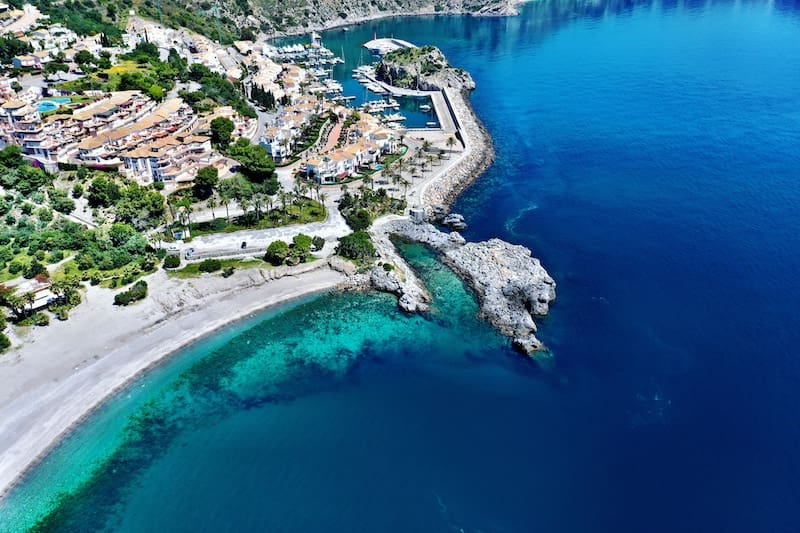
(444, 114)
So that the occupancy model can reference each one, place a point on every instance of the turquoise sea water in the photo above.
(648, 153)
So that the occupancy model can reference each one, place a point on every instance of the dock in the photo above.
(383, 46)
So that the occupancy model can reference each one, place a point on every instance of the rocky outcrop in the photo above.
(423, 69)
(455, 222)
(512, 286)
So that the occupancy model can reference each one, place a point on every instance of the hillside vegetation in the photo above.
(230, 20)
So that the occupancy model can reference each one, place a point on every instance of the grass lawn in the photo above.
(23, 259)
(310, 211)
(109, 278)
(192, 270)
(109, 80)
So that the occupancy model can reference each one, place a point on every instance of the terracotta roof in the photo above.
(14, 104)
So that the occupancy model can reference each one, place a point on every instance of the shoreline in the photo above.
(478, 155)
(511, 11)
(66, 394)
(53, 406)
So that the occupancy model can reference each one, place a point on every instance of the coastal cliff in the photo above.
(298, 16)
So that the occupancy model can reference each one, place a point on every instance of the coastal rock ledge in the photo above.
(513, 288)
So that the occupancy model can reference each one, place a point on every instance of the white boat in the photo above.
(375, 88)
(425, 107)
(394, 117)
(431, 125)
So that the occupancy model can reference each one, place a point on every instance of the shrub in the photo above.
(61, 312)
(360, 220)
(301, 247)
(172, 261)
(134, 294)
(388, 267)
(33, 269)
(227, 272)
(41, 319)
(277, 252)
(210, 265)
(55, 256)
(77, 190)
(356, 246)
(317, 243)
(159, 185)
(5, 343)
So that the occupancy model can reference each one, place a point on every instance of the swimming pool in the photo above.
(45, 106)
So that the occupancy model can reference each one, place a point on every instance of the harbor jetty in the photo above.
(513, 288)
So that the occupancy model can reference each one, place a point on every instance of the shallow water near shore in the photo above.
(649, 156)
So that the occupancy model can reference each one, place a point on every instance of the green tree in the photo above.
(277, 252)
(302, 246)
(103, 193)
(156, 92)
(205, 182)
(84, 58)
(221, 129)
(357, 246)
(360, 220)
(11, 156)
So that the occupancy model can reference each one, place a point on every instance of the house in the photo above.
(169, 159)
(24, 61)
(278, 143)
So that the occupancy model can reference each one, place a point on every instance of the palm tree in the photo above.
(426, 146)
(405, 184)
(29, 299)
(450, 143)
(189, 211)
(244, 203)
(343, 188)
(368, 181)
(322, 198)
(17, 306)
(225, 198)
(172, 209)
(211, 204)
(258, 203)
(152, 239)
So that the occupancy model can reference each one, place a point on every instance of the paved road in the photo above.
(229, 244)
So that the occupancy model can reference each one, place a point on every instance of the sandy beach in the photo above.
(55, 377)
(61, 373)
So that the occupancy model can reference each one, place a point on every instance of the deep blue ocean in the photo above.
(649, 154)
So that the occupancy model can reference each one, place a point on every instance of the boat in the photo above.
(431, 125)
(394, 117)
(375, 88)
(425, 107)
